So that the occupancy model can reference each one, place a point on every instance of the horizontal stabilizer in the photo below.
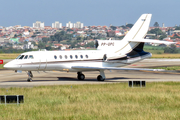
(113, 68)
(151, 41)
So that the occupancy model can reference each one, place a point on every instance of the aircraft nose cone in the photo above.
(7, 65)
(11, 65)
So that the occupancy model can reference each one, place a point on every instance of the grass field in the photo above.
(9, 56)
(169, 68)
(103, 102)
(173, 56)
(154, 49)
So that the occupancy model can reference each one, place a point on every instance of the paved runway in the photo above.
(9, 78)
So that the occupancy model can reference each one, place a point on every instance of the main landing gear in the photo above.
(30, 76)
(100, 77)
(80, 76)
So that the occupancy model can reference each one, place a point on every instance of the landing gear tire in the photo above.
(81, 76)
(29, 80)
(100, 78)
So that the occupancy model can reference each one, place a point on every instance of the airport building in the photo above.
(57, 25)
(38, 24)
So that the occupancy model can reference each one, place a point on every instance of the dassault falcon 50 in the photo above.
(110, 55)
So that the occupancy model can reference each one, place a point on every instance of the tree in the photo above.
(45, 40)
(90, 44)
(156, 31)
(177, 28)
(48, 47)
(15, 36)
(41, 45)
(129, 25)
(162, 37)
(68, 30)
(156, 24)
(171, 49)
(113, 27)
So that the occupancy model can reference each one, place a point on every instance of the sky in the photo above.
(89, 12)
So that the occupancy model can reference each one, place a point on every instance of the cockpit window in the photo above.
(18, 57)
(31, 57)
(26, 57)
(21, 57)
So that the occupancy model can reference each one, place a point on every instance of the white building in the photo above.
(38, 24)
(69, 25)
(57, 25)
(78, 25)
(28, 46)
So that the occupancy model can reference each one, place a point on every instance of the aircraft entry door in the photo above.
(42, 63)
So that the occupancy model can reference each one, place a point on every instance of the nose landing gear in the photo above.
(30, 76)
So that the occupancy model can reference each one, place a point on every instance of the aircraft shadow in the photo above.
(114, 79)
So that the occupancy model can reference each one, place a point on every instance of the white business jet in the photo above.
(110, 55)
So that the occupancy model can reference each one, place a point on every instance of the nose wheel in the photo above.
(30, 76)
(80, 76)
(29, 79)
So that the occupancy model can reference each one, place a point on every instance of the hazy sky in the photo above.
(89, 12)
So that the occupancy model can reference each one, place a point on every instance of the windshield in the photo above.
(18, 57)
(21, 57)
(26, 57)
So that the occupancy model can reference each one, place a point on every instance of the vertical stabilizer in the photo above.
(140, 28)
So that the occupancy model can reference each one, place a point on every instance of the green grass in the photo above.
(1, 66)
(154, 49)
(169, 68)
(103, 101)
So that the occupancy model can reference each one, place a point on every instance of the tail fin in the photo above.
(140, 28)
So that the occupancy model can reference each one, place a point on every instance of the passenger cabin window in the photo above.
(71, 56)
(55, 57)
(86, 56)
(60, 56)
(81, 56)
(26, 57)
(31, 57)
(18, 57)
(76, 56)
(66, 56)
(21, 57)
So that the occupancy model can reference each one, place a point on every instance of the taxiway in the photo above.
(9, 78)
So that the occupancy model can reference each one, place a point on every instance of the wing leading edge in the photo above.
(112, 68)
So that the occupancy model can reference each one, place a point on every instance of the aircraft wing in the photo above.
(151, 41)
(113, 68)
